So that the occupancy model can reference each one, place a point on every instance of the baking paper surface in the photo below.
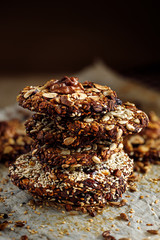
(48, 223)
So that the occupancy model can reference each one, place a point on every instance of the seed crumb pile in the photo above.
(13, 141)
(77, 156)
(145, 146)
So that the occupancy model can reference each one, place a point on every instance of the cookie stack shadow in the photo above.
(77, 157)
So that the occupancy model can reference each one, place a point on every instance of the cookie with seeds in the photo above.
(91, 154)
(83, 186)
(13, 140)
(145, 146)
(68, 98)
(125, 119)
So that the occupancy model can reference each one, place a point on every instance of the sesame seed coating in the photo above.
(92, 185)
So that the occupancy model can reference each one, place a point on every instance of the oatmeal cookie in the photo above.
(83, 186)
(68, 98)
(91, 154)
(145, 146)
(125, 119)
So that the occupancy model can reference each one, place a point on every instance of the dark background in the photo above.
(57, 36)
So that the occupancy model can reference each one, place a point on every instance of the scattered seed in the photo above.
(123, 216)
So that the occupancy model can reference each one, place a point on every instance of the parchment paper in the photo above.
(49, 223)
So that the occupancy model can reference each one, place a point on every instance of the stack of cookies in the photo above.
(77, 158)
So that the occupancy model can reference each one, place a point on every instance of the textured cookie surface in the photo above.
(125, 119)
(91, 154)
(68, 97)
(145, 146)
(90, 186)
